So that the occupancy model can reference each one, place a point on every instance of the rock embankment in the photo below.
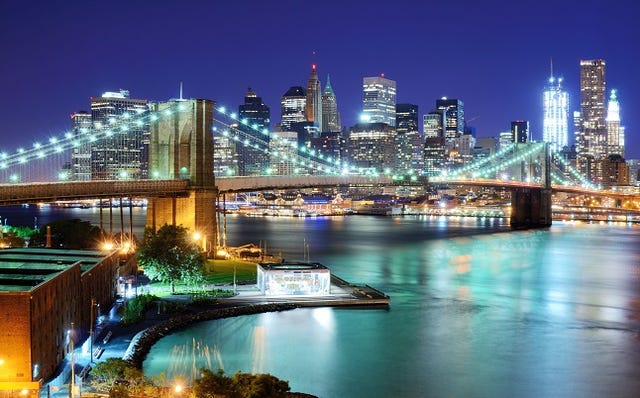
(143, 341)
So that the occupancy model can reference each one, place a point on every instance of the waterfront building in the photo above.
(409, 141)
(293, 107)
(330, 115)
(379, 100)
(371, 147)
(46, 300)
(520, 131)
(255, 122)
(293, 279)
(615, 132)
(283, 153)
(555, 118)
(591, 140)
(81, 125)
(119, 154)
(313, 106)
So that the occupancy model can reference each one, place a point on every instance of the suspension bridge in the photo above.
(182, 188)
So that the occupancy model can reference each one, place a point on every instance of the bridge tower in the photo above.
(531, 207)
(181, 147)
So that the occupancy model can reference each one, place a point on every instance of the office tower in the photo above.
(409, 142)
(615, 132)
(225, 157)
(520, 131)
(453, 117)
(254, 121)
(379, 100)
(283, 153)
(81, 125)
(505, 139)
(371, 147)
(485, 147)
(555, 119)
(434, 146)
(330, 144)
(293, 105)
(330, 114)
(313, 107)
(591, 142)
(119, 153)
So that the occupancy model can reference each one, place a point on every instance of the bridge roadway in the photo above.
(39, 192)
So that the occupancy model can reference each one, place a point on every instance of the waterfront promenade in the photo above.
(132, 342)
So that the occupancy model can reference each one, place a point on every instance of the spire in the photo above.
(328, 89)
(181, 91)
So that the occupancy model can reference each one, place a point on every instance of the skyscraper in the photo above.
(330, 114)
(434, 143)
(555, 120)
(371, 146)
(119, 154)
(81, 154)
(591, 142)
(520, 131)
(379, 100)
(293, 106)
(453, 114)
(313, 107)
(255, 117)
(615, 132)
(409, 142)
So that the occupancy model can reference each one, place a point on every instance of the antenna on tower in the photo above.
(181, 99)
(551, 65)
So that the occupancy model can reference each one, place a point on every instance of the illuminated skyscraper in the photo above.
(81, 155)
(555, 115)
(330, 114)
(591, 142)
(371, 146)
(293, 105)
(379, 100)
(520, 131)
(254, 115)
(615, 132)
(409, 142)
(453, 117)
(120, 154)
(313, 107)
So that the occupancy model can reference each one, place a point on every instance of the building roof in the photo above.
(24, 269)
(292, 266)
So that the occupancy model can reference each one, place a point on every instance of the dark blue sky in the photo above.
(493, 55)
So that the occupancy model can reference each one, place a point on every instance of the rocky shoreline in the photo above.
(143, 341)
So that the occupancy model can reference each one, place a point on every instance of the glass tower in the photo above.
(254, 115)
(119, 154)
(591, 143)
(555, 115)
(81, 154)
(379, 100)
(292, 106)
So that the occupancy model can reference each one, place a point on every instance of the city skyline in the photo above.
(498, 68)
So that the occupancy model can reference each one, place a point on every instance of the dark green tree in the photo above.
(106, 374)
(170, 255)
(241, 385)
(68, 234)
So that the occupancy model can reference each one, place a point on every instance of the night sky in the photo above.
(493, 55)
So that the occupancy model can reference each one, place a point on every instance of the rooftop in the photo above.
(292, 266)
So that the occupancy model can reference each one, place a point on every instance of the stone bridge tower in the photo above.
(181, 147)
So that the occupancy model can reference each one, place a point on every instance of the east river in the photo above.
(476, 311)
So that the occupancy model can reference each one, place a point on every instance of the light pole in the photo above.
(93, 303)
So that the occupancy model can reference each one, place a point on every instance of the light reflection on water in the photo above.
(474, 312)
(528, 314)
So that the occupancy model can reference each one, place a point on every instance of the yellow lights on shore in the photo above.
(108, 246)
(197, 236)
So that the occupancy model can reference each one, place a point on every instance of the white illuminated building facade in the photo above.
(555, 115)
(293, 279)
(283, 152)
(615, 132)
(379, 100)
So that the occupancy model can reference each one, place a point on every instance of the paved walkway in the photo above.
(112, 339)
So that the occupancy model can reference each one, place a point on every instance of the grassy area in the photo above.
(221, 271)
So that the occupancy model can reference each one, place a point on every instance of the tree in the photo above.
(170, 255)
(241, 385)
(106, 374)
(69, 234)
